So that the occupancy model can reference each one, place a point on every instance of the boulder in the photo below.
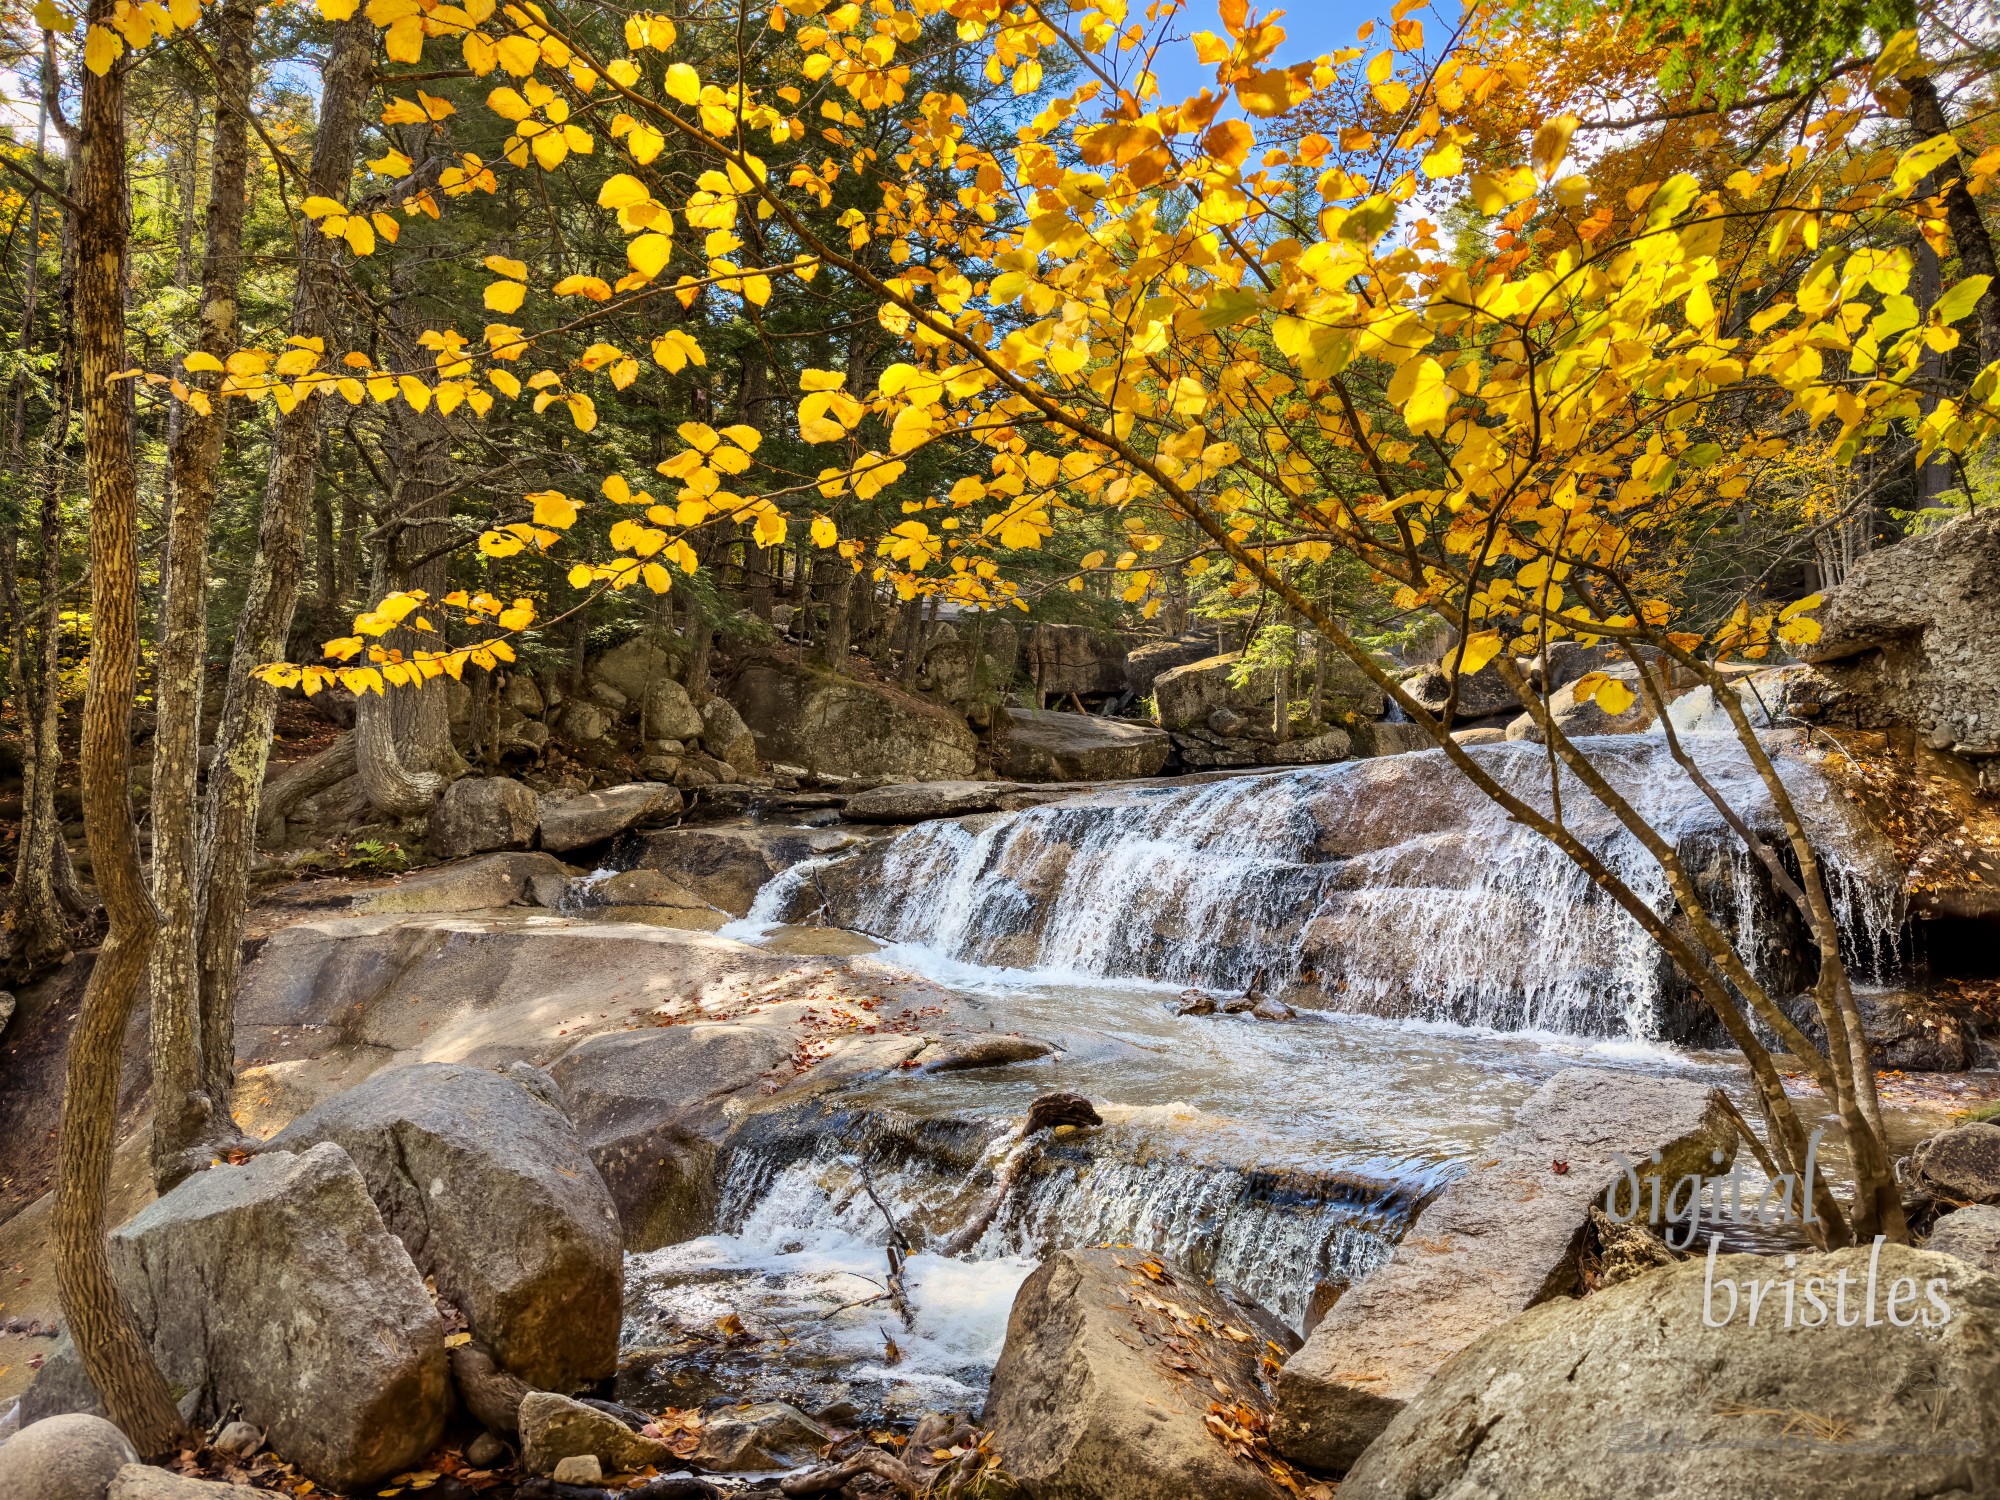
(724, 866)
(1184, 697)
(760, 1437)
(648, 1106)
(482, 813)
(633, 667)
(70, 1457)
(1479, 693)
(1563, 662)
(1906, 1029)
(838, 726)
(1313, 750)
(1104, 1386)
(274, 1287)
(473, 885)
(669, 714)
(1374, 737)
(1065, 659)
(608, 698)
(1664, 1386)
(1144, 664)
(1908, 636)
(1039, 745)
(1498, 1240)
(522, 696)
(1575, 718)
(725, 736)
(554, 1428)
(1971, 1234)
(496, 1199)
(584, 722)
(592, 817)
(141, 1482)
(917, 801)
(645, 888)
(1959, 1165)
(959, 1053)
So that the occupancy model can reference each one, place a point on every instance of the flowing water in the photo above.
(1454, 961)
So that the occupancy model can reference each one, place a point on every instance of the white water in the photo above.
(1390, 887)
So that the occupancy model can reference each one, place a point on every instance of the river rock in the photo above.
(1087, 1401)
(633, 667)
(957, 1054)
(592, 817)
(1575, 718)
(555, 1428)
(1184, 697)
(917, 801)
(497, 1200)
(724, 866)
(669, 714)
(69, 1457)
(831, 725)
(1479, 693)
(1500, 1239)
(648, 1106)
(142, 1482)
(1039, 745)
(584, 722)
(1971, 1234)
(648, 888)
(481, 813)
(1960, 1165)
(355, 1389)
(1908, 636)
(1633, 1392)
(1064, 659)
(726, 737)
(522, 696)
(1313, 750)
(752, 1439)
(495, 880)
(1374, 737)
(1144, 664)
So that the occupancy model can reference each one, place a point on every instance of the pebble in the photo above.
(578, 1468)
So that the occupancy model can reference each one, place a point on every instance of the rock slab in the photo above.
(141, 1482)
(1086, 1402)
(1045, 745)
(471, 885)
(916, 801)
(1663, 1387)
(274, 1286)
(1500, 1239)
(556, 1430)
(592, 817)
(495, 1197)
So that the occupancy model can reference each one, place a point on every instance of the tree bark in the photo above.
(1961, 212)
(243, 739)
(114, 1355)
(185, 1114)
(839, 591)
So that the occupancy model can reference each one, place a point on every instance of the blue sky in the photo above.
(1311, 28)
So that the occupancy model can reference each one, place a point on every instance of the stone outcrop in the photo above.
(649, 888)
(1504, 1237)
(1038, 745)
(478, 814)
(1912, 636)
(1144, 664)
(356, 1388)
(723, 866)
(592, 817)
(497, 1200)
(69, 1457)
(1960, 1165)
(1064, 659)
(554, 1428)
(841, 726)
(649, 1108)
(495, 880)
(916, 801)
(1663, 1386)
(1112, 1362)
(1480, 694)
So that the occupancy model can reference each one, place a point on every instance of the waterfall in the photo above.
(1389, 886)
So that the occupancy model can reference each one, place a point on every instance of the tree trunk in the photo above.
(243, 739)
(114, 1355)
(1961, 211)
(839, 589)
(184, 1112)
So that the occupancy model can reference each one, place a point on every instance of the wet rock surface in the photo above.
(555, 1430)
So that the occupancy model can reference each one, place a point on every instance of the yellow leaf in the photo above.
(1480, 649)
(49, 18)
(199, 361)
(518, 55)
(505, 296)
(683, 83)
(821, 380)
(622, 191)
(404, 41)
(649, 253)
(101, 48)
(553, 508)
(824, 532)
(1614, 697)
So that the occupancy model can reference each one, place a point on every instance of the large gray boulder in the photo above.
(839, 726)
(1479, 693)
(668, 713)
(70, 1457)
(496, 1199)
(724, 866)
(649, 1108)
(918, 801)
(1185, 697)
(471, 885)
(1960, 1165)
(726, 737)
(1912, 635)
(1663, 1386)
(143, 1482)
(1144, 664)
(758, 1438)
(632, 668)
(482, 813)
(1502, 1238)
(1037, 745)
(1970, 1234)
(1104, 1387)
(274, 1287)
(592, 817)
(1065, 659)
(1576, 718)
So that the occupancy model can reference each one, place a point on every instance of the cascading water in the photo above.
(1389, 886)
